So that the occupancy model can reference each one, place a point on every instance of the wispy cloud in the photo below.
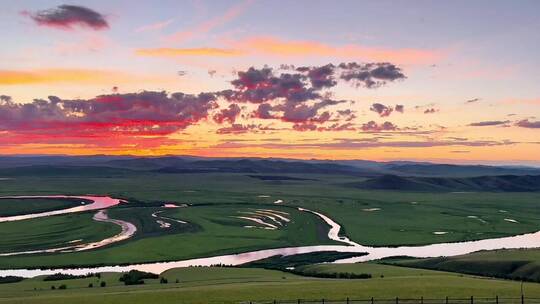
(489, 123)
(276, 47)
(154, 26)
(268, 45)
(349, 144)
(180, 52)
(209, 25)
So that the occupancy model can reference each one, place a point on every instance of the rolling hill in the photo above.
(501, 183)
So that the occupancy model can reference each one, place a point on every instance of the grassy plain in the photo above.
(516, 264)
(53, 232)
(378, 218)
(11, 207)
(236, 285)
(216, 232)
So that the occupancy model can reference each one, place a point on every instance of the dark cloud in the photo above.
(67, 16)
(305, 83)
(229, 114)
(261, 85)
(297, 113)
(472, 100)
(305, 127)
(400, 108)
(237, 129)
(525, 123)
(370, 75)
(299, 95)
(306, 113)
(381, 109)
(346, 112)
(488, 123)
(347, 115)
(240, 128)
(263, 111)
(320, 77)
(372, 126)
(431, 111)
(133, 114)
(338, 127)
(287, 67)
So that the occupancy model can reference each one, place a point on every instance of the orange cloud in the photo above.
(44, 76)
(175, 52)
(271, 46)
(279, 47)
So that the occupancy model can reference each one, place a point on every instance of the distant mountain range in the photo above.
(499, 183)
(408, 176)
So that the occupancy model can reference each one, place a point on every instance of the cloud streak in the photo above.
(80, 76)
(271, 46)
(154, 26)
(525, 123)
(274, 46)
(489, 123)
(209, 25)
(351, 144)
(177, 52)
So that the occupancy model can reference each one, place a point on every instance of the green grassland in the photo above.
(11, 207)
(378, 218)
(510, 264)
(235, 285)
(215, 232)
(53, 232)
(403, 218)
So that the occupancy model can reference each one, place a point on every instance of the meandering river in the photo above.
(530, 240)
(128, 230)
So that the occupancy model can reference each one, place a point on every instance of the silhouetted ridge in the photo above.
(502, 183)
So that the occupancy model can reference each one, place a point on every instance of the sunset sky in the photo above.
(444, 81)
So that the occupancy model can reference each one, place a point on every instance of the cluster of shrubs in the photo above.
(332, 275)
(61, 276)
(135, 277)
(219, 265)
(101, 284)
